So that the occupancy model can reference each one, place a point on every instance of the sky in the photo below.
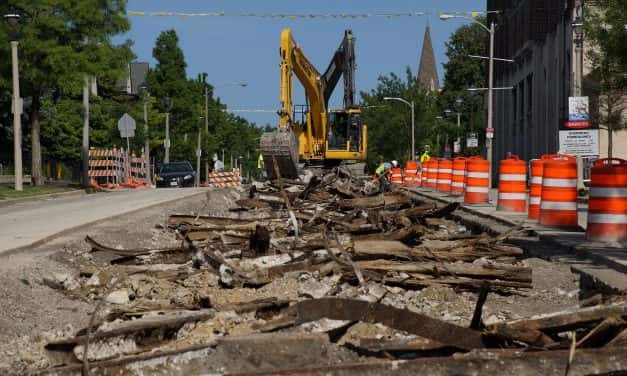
(245, 49)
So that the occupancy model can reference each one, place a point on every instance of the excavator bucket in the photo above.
(280, 146)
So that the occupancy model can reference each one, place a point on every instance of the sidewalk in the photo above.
(611, 255)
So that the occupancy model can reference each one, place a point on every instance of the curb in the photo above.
(9, 202)
(13, 251)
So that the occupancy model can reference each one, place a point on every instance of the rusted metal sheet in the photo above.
(401, 319)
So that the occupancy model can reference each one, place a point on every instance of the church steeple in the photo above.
(427, 70)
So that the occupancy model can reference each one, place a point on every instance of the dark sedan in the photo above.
(177, 174)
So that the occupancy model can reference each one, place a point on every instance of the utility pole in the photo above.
(490, 104)
(147, 143)
(166, 142)
(86, 133)
(198, 153)
(14, 21)
(207, 129)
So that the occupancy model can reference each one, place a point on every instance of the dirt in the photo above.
(33, 313)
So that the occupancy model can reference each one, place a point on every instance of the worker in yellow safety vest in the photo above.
(425, 156)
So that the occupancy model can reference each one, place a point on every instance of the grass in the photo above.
(7, 191)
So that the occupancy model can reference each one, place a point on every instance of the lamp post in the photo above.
(145, 96)
(577, 26)
(411, 105)
(167, 101)
(489, 129)
(198, 152)
(206, 94)
(13, 19)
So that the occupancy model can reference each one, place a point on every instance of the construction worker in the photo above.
(396, 173)
(425, 156)
(260, 161)
(261, 166)
(382, 173)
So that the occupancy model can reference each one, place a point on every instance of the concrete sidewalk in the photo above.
(29, 223)
(611, 255)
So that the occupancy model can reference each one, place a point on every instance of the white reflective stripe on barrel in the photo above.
(513, 177)
(477, 189)
(534, 200)
(459, 172)
(608, 192)
(457, 184)
(445, 171)
(480, 175)
(410, 171)
(444, 181)
(536, 180)
(559, 183)
(558, 205)
(607, 218)
(512, 196)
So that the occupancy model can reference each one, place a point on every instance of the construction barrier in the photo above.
(458, 177)
(424, 172)
(396, 176)
(512, 185)
(410, 175)
(477, 181)
(535, 191)
(111, 168)
(445, 175)
(225, 179)
(607, 204)
(558, 202)
(432, 175)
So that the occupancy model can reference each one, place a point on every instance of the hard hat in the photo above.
(395, 163)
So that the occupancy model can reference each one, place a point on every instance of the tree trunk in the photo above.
(36, 175)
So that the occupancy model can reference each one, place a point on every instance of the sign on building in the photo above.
(578, 108)
(472, 140)
(584, 143)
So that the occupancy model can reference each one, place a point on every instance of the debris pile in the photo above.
(296, 259)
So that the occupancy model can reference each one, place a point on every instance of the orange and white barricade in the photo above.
(607, 203)
(535, 190)
(410, 177)
(512, 185)
(432, 175)
(558, 203)
(424, 172)
(225, 179)
(445, 175)
(458, 177)
(477, 181)
(396, 176)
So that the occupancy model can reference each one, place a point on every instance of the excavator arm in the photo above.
(342, 64)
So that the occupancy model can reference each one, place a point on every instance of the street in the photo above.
(27, 223)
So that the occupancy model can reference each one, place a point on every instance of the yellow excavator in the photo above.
(322, 137)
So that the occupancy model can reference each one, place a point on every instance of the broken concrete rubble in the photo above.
(377, 277)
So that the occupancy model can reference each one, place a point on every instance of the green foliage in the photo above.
(463, 72)
(389, 122)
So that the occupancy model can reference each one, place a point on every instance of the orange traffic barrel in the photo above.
(432, 175)
(477, 181)
(445, 175)
(607, 204)
(512, 185)
(558, 201)
(411, 174)
(397, 176)
(424, 170)
(535, 190)
(459, 172)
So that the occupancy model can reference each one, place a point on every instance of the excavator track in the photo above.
(280, 146)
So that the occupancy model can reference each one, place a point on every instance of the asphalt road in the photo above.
(28, 223)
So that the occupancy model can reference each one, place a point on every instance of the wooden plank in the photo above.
(400, 319)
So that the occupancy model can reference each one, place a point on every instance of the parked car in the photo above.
(176, 174)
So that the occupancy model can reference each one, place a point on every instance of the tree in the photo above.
(463, 72)
(61, 43)
(605, 30)
(389, 123)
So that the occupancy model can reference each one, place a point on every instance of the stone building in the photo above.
(427, 70)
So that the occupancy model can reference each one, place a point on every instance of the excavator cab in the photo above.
(345, 136)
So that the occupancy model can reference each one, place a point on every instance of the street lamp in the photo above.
(411, 105)
(167, 103)
(13, 19)
(577, 26)
(145, 95)
(490, 129)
